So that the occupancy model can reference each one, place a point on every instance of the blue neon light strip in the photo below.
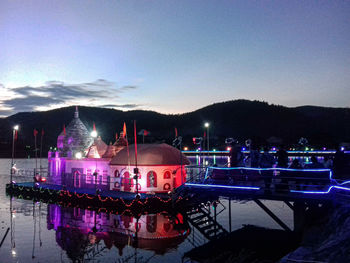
(270, 169)
(276, 169)
(203, 152)
(285, 169)
(312, 192)
(342, 188)
(339, 186)
(346, 182)
(272, 151)
(322, 192)
(225, 186)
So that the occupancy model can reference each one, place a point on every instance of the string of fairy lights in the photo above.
(62, 196)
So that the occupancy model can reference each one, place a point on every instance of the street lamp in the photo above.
(206, 125)
(14, 131)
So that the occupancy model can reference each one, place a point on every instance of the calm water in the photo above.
(49, 233)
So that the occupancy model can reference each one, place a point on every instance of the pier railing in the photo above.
(281, 179)
(27, 175)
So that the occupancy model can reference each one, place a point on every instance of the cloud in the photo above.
(124, 88)
(30, 102)
(56, 94)
(61, 91)
(124, 106)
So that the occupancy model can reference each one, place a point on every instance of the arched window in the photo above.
(167, 175)
(151, 179)
(116, 173)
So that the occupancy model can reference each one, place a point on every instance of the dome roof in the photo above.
(77, 138)
(150, 154)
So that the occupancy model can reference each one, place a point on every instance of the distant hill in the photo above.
(241, 119)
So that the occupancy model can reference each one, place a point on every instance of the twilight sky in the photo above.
(172, 56)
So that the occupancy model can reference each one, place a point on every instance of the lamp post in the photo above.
(15, 129)
(206, 125)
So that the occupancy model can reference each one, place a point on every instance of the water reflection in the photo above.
(80, 232)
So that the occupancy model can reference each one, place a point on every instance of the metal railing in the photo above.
(281, 179)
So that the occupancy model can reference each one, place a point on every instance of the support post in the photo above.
(229, 211)
(299, 216)
(272, 215)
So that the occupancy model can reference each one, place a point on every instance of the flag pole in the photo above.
(41, 147)
(125, 134)
(36, 152)
(136, 170)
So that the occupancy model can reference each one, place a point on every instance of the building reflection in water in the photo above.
(80, 231)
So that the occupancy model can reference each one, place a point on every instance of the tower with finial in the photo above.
(75, 138)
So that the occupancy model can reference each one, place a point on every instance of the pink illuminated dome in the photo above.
(150, 154)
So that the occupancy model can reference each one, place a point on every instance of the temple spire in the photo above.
(76, 113)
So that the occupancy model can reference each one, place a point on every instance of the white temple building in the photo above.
(87, 162)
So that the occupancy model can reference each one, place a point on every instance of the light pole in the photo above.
(14, 131)
(206, 125)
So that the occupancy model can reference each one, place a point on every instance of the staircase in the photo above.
(205, 224)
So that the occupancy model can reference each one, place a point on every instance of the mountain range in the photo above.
(240, 119)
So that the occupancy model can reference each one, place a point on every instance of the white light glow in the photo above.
(78, 155)
(93, 134)
(206, 125)
(16, 127)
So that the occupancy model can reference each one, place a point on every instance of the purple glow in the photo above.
(225, 186)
